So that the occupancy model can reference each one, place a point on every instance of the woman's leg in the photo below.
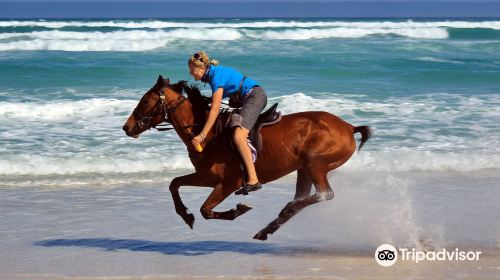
(240, 139)
(249, 113)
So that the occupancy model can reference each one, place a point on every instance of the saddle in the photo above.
(268, 118)
(231, 119)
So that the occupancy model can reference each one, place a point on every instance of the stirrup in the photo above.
(248, 188)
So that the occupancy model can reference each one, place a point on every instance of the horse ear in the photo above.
(167, 81)
(160, 80)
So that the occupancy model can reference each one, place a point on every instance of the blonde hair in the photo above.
(201, 59)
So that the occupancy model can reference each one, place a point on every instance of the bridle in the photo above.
(167, 110)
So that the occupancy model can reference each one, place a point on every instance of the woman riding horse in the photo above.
(312, 143)
(227, 82)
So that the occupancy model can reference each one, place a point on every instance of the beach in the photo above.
(132, 232)
(81, 200)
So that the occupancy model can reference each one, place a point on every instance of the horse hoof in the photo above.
(189, 219)
(260, 236)
(243, 208)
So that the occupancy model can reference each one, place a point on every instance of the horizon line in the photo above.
(263, 17)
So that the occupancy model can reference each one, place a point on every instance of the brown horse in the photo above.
(313, 143)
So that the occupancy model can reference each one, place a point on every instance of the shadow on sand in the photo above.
(197, 248)
(193, 248)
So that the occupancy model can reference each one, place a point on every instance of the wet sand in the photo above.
(261, 266)
(132, 231)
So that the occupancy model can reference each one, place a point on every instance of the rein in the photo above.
(170, 128)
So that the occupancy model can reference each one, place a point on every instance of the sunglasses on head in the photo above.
(198, 56)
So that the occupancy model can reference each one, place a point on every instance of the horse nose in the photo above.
(125, 128)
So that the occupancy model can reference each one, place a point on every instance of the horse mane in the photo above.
(199, 101)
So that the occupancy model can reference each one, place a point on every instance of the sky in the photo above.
(247, 8)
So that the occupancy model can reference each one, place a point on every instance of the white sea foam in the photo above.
(345, 32)
(435, 106)
(83, 45)
(440, 132)
(400, 160)
(141, 40)
(163, 33)
(396, 160)
(441, 107)
(65, 110)
(30, 164)
(156, 24)
(435, 59)
(135, 40)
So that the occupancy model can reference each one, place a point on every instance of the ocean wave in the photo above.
(435, 59)
(162, 34)
(343, 32)
(83, 163)
(65, 110)
(404, 160)
(428, 132)
(78, 45)
(395, 160)
(433, 106)
(226, 33)
(157, 24)
(159, 34)
(141, 40)
(136, 40)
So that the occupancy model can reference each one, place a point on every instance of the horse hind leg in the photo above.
(323, 192)
(218, 195)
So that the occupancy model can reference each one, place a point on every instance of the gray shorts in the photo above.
(253, 105)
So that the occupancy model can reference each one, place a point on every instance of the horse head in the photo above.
(150, 111)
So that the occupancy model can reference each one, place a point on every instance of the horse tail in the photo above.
(366, 133)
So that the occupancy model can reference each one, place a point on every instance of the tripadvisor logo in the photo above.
(387, 255)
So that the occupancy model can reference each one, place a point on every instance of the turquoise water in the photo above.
(430, 90)
(78, 198)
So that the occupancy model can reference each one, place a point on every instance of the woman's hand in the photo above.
(197, 140)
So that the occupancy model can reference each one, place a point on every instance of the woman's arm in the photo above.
(214, 111)
(212, 116)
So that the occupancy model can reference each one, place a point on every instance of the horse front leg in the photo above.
(192, 179)
(222, 191)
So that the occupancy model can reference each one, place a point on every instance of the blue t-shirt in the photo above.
(228, 79)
